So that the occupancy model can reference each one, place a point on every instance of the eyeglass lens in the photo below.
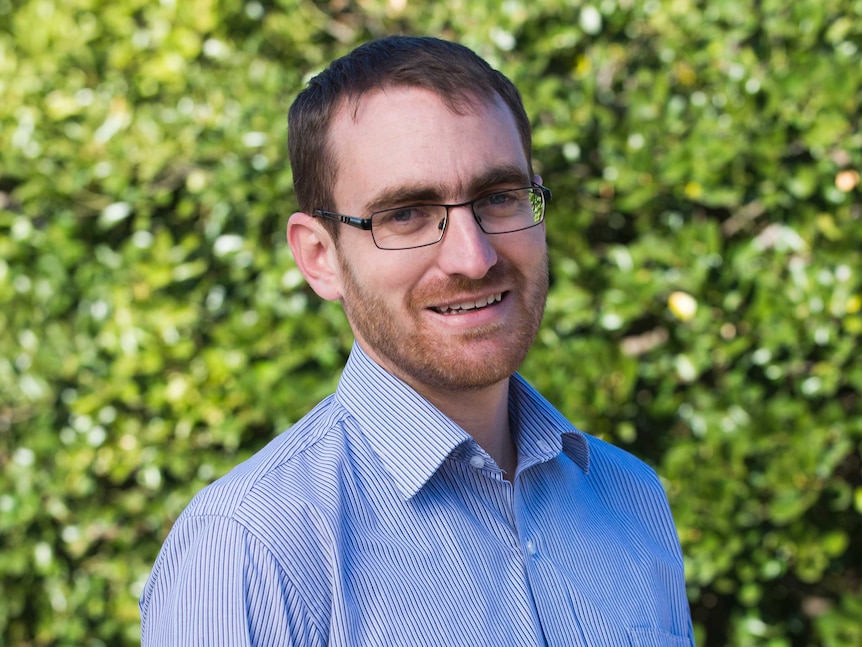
(420, 225)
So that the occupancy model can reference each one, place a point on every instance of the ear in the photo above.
(315, 255)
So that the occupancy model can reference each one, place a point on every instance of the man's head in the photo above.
(451, 71)
(447, 316)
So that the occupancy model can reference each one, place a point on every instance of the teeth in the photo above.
(470, 305)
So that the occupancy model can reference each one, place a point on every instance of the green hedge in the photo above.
(705, 310)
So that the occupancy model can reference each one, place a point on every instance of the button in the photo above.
(530, 547)
(477, 461)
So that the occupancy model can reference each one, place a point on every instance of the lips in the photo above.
(468, 305)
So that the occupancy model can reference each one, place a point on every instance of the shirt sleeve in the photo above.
(216, 584)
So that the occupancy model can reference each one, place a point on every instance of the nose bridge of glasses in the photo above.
(466, 225)
(470, 206)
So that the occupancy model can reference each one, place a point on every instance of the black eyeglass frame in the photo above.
(365, 223)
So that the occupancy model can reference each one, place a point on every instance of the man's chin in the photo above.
(458, 369)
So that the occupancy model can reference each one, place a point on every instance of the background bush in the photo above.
(704, 310)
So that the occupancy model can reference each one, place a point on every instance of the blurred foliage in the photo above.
(705, 310)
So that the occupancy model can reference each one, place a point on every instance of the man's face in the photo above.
(460, 314)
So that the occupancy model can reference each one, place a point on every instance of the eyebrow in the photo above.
(494, 178)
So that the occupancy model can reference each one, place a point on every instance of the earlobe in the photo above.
(315, 255)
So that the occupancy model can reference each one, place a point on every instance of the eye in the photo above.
(501, 205)
(403, 218)
(499, 199)
(404, 215)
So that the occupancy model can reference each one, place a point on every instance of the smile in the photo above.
(467, 306)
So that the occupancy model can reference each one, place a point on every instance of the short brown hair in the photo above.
(450, 70)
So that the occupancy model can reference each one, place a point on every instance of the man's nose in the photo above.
(465, 248)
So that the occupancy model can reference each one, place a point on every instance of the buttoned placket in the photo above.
(504, 500)
(547, 593)
(508, 501)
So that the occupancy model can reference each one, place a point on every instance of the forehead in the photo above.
(410, 137)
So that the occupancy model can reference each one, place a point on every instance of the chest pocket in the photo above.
(656, 638)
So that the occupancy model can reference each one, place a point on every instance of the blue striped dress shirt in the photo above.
(376, 520)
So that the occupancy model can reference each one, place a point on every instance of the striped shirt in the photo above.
(376, 520)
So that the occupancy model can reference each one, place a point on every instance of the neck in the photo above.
(484, 414)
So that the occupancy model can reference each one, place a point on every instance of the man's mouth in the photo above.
(467, 306)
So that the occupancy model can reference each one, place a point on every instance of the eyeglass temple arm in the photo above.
(546, 192)
(359, 223)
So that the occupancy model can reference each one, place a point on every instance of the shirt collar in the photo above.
(541, 431)
(412, 437)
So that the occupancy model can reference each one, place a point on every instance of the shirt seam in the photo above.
(337, 422)
(260, 541)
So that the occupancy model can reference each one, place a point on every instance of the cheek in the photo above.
(389, 284)
(527, 253)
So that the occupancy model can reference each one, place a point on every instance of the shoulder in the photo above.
(631, 487)
(284, 497)
(610, 461)
(254, 535)
(214, 583)
(622, 480)
(302, 448)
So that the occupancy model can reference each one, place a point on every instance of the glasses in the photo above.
(420, 225)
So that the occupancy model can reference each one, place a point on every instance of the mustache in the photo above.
(442, 290)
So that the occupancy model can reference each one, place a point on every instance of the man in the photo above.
(435, 498)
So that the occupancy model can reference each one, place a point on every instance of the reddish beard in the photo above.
(472, 359)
